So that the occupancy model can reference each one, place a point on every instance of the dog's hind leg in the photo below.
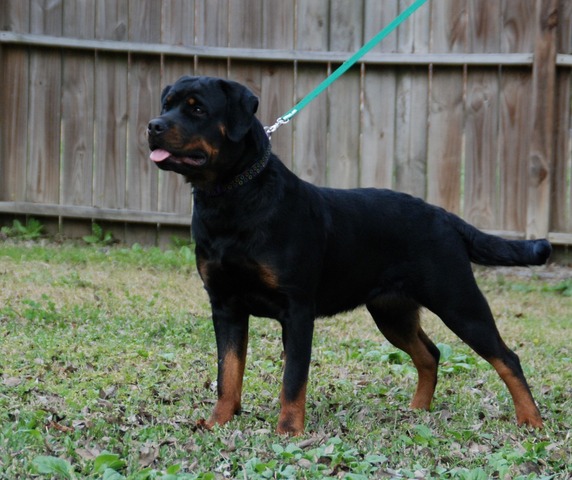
(398, 321)
(466, 312)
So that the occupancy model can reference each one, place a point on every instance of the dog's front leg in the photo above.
(231, 330)
(297, 334)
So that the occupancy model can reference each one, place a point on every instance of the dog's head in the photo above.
(202, 127)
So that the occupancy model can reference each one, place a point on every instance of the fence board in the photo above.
(514, 147)
(515, 114)
(110, 132)
(444, 148)
(344, 118)
(212, 19)
(542, 109)
(377, 147)
(481, 186)
(561, 208)
(378, 129)
(344, 97)
(78, 95)
(310, 126)
(412, 108)
(42, 182)
(481, 153)
(277, 98)
(312, 28)
(14, 136)
(311, 130)
(212, 22)
(178, 22)
(278, 79)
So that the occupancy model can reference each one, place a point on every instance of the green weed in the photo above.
(99, 236)
(32, 230)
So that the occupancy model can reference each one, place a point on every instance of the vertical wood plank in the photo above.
(212, 29)
(540, 160)
(111, 111)
(311, 129)
(517, 35)
(14, 136)
(211, 22)
(77, 108)
(561, 208)
(445, 139)
(514, 147)
(178, 22)
(277, 94)
(144, 78)
(482, 123)
(377, 149)
(15, 16)
(343, 138)
(412, 106)
(144, 84)
(312, 24)
(444, 154)
(310, 125)
(344, 97)
(14, 95)
(43, 172)
(246, 12)
(78, 96)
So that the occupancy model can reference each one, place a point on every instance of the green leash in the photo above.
(344, 67)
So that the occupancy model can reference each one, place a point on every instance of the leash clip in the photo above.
(272, 128)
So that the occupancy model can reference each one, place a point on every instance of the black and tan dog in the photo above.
(269, 244)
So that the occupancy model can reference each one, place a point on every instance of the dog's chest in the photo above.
(252, 282)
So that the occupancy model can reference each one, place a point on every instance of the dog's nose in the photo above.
(156, 127)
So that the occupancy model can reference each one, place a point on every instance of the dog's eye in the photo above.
(198, 110)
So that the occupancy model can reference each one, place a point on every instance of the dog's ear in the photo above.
(164, 95)
(241, 107)
(164, 92)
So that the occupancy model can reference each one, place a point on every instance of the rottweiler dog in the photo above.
(271, 245)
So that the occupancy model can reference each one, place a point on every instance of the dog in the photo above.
(272, 245)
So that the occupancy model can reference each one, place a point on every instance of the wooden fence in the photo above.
(467, 104)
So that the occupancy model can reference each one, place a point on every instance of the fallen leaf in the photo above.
(148, 454)
(88, 453)
(12, 381)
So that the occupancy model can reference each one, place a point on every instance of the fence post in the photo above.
(540, 160)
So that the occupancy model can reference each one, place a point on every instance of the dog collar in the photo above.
(242, 178)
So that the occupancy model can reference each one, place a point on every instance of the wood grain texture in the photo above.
(454, 106)
(481, 189)
(540, 159)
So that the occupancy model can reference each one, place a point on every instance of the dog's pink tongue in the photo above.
(159, 155)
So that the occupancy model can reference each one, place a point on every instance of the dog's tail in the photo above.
(485, 249)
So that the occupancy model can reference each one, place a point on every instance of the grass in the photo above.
(107, 361)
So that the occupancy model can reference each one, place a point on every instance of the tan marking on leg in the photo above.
(526, 411)
(230, 390)
(292, 414)
(202, 267)
(427, 379)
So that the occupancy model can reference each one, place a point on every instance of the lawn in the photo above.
(107, 362)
